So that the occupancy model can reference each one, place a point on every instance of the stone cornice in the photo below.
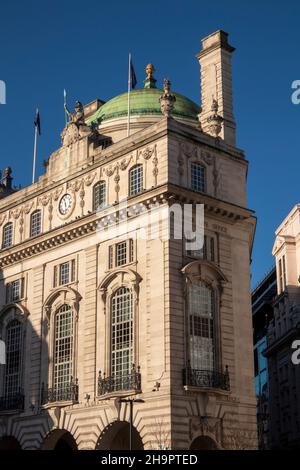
(87, 224)
(142, 138)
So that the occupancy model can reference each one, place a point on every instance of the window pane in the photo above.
(35, 228)
(201, 325)
(136, 180)
(121, 253)
(197, 177)
(7, 236)
(64, 273)
(13, 358)
(99, 195)
(63, 347)
(122, 332)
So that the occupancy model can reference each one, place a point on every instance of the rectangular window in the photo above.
(121, 253)
(197, 177)
(7, 240)
(136, 180)
(64, 273)
(36, 223)
(14, 291)
(206, 252)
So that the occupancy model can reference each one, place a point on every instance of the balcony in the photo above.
(206, 378)
(66, 393)
(12, 402)
(120, 383)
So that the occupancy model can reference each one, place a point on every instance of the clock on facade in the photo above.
(65, 204)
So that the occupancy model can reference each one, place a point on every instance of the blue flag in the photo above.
(133, 80)
(37, 121)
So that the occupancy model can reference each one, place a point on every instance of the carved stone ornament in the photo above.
(167, 100)
(215, 120)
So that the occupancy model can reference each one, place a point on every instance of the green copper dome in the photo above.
(144, 102)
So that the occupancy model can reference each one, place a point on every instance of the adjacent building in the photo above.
(116, 337)
(283, 329)
(262, 310)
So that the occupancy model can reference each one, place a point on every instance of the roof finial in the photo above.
(150, 81)
(215, 120)
(167, 100)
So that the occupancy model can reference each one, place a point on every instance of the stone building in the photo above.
(116, 340)
(283, 329)
(262, 313)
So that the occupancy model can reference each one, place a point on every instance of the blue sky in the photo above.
(83, 47)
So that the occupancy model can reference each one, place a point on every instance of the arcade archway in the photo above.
(59, 439)
(9, 443)
(203, 443)
(116, 436)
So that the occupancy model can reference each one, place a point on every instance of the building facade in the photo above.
(117, 337)
(262, 313)
(283, 329)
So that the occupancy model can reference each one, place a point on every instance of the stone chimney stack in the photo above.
(215, 64)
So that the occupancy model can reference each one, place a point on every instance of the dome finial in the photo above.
(150, 81)
(167, 100)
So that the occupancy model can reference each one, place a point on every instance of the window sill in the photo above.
(62, 403)
(120, 393)
(193, 389)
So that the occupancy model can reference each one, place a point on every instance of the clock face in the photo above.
(65, 204)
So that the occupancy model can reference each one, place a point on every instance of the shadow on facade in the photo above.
(116, 436)
(59, 439)
(203, 443)
(9, 443)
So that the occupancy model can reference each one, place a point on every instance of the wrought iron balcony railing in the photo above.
(12, 402)
(118, 383)
(206, 378)
(67, 392)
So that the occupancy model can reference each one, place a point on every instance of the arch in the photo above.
(122, 277)
(116, 436)
(59, 439)
(204, 442)
(9, 443)
(12, 311)
(205, 270)
(59, 297)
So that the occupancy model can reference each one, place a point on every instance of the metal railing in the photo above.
(67, 392)
(206, 378)
(116, 383)
(12, 402)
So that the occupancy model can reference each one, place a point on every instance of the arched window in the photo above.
(202, 327)
(63, 349)
(198, 177)
(136, 180)
(13, 369)
(7, 238)
(99, 195)
(35, 223)
(121, 333)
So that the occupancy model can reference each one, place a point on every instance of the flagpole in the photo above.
(129, 82)
(34, 151)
